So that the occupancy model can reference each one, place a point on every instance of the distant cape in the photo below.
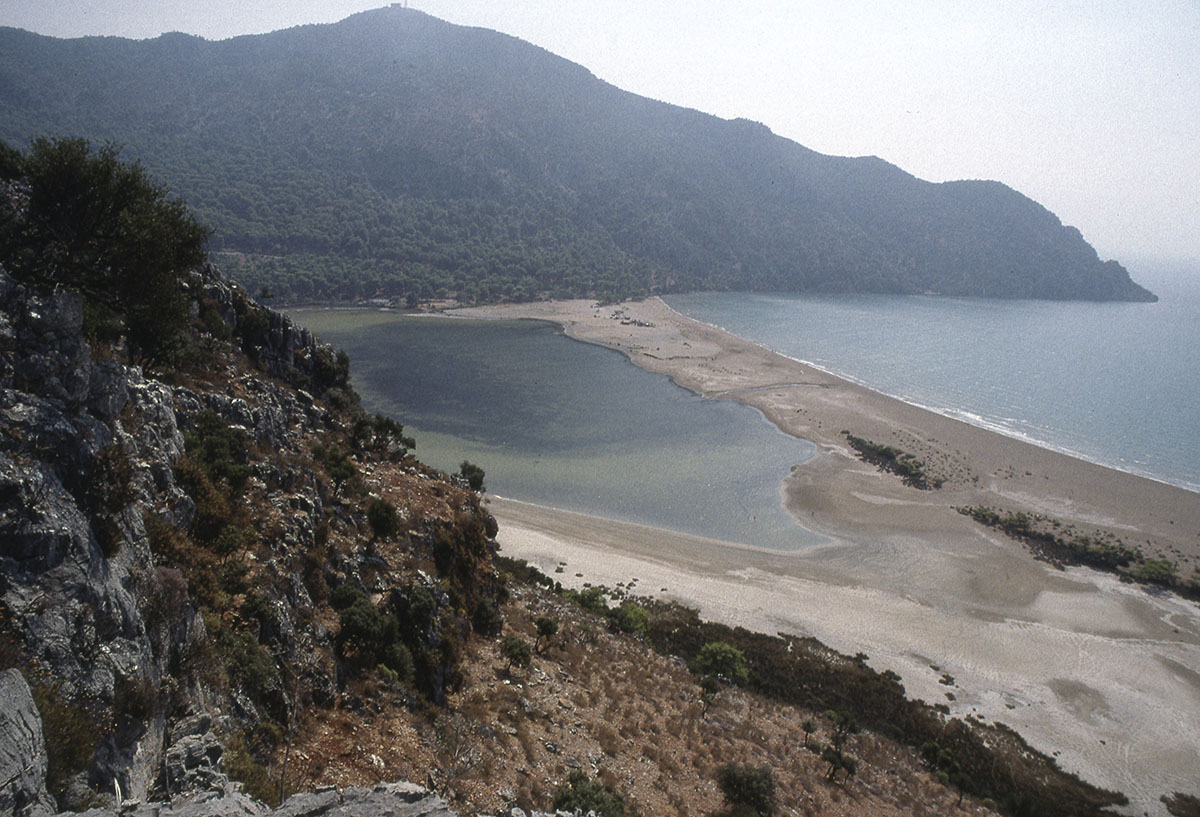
(393, 154)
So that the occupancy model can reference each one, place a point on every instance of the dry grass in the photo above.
(621, 713)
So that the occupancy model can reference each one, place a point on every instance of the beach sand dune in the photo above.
(1104, 675)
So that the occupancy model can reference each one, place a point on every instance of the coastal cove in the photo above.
(1104, 675)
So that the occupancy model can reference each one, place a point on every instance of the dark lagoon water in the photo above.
(1118, 384)
(567, 424)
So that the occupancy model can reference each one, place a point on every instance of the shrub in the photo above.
(583, 795)
(473, 474)
(748, 786)
(100, 226)
(248, 664)
(631, 617)
(516, 651)
(70, 732)
(547, 628)
(382, 516)
(724, 661)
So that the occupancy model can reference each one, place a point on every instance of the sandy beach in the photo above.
(1103, 675)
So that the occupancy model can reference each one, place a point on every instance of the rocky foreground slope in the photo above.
(151, 602)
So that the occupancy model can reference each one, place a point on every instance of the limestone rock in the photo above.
(22, 751)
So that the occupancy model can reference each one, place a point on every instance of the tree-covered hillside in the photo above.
(395, 154)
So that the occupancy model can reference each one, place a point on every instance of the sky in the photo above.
(1090, 107)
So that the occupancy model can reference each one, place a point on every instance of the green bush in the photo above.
(100, 226)
(472, 473)
(70, 731)
(383, 518)
(724, 661)
(516, 651)
(748, 786)
(631, 617)
(583, 795)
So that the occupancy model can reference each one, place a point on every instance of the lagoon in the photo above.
(570, 425)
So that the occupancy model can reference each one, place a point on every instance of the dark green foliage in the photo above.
(394, 155)
(723, 661)
(380, 435)
(100, 226)
(1049, 540)
(218, 448)
(249, 665)
(241, 765)
(591, 599)
(399, 660)
(337, 463)
(383, 518)
(516, 651)
(547, 628)
(1182, 805)
(583, 795)
(749, 786)
(838, 761)
(898, 462)
(344, 595)
(473, 474)
(631, 617)
(369, 637)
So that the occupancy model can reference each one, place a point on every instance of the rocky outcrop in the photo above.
(22, 751)
(87, 449)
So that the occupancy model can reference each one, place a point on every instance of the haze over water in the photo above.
(1115, 383)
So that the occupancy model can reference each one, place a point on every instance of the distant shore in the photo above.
(1106, 674)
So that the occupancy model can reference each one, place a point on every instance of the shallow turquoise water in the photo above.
(567, 424)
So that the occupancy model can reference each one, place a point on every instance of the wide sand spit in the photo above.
(1103, 675)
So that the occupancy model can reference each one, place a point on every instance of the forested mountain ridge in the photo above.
(394, 154)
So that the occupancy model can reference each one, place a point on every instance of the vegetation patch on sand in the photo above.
(1059, 544)
(893, 460)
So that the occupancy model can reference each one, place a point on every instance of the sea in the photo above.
(1114, 383)
(567, 424)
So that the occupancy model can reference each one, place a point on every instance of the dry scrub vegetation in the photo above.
(607, 704)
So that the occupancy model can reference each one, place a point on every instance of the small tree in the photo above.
(631, 617)
(724, 661)
(710, 688)
(547, 628)
(472, 473)
(748, 787)
(382, 516)
(516, 651)
(101, 226)
(809, 727)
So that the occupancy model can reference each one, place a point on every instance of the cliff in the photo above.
(141, 631)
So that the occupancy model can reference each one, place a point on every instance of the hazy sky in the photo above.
(1091, 107)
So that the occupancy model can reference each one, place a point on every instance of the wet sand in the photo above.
(1104, 675)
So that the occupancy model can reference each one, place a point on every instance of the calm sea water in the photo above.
(1118, 384)
(567, 424)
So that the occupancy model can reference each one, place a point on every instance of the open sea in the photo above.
(1114, 383)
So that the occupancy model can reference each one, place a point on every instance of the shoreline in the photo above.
(1104, 676)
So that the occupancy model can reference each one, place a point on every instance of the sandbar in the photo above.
(1103, 675)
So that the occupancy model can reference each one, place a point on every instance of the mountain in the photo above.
(396, 154)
